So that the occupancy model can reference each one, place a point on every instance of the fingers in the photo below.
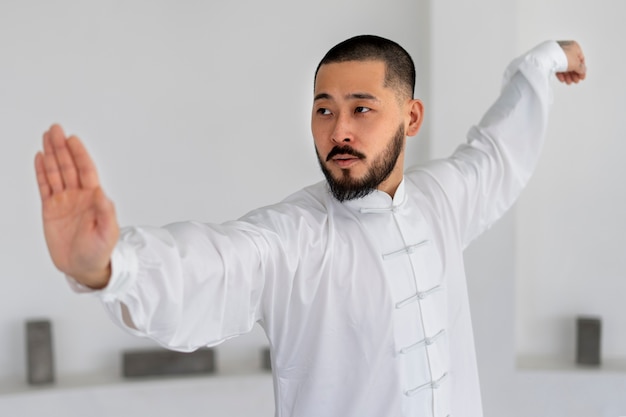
(570, 77)
(581, 70)
(42, 180)
(64, 160)
(51, 166)
(87, 173)
(64, 164)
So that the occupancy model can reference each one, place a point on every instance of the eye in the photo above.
(361, 109)
(323, 111)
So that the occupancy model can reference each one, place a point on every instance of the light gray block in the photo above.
(40, 358)
(161, 362)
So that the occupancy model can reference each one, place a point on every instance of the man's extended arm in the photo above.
(184, 285)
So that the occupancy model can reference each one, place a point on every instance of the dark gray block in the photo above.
(159, 362)
(266, 359)
(588, 338)
(40, 358)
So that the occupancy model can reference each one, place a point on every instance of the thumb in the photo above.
(106, 218)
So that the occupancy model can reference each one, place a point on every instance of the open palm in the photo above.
(79, 222)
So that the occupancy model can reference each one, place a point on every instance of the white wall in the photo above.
(471, 44)
(571, 230)
(559, 253)
(570, 227)
(200, 111)
(192, 110)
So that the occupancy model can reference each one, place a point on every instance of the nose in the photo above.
(342, 131)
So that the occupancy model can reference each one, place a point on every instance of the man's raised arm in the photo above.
(484, 176)
(79, 221)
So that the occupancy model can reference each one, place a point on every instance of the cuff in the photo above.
(123, 275)
(550, 55)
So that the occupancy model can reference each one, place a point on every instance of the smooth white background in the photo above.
(200, 111)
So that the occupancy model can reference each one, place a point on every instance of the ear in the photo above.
(414, 116)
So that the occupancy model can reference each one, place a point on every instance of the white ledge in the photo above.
(556, 363)
(195, 396)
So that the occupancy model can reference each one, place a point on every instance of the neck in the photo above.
(391, 184)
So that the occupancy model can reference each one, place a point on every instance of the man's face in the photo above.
(359, 128)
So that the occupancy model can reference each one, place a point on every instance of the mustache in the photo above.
(344, 150)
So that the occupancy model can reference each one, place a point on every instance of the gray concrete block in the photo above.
(161, 362)
(266, 359)
(588, 340)
(39, 353)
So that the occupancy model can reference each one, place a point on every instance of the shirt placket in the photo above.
(418, 296)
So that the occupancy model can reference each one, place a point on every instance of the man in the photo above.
(358, 282)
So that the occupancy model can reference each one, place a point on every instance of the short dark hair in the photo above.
(399, 66)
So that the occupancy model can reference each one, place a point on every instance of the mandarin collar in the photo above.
(378, 201)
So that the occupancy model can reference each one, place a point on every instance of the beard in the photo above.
(348, 188)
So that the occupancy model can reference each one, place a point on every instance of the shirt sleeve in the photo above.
(187, 285)
(485, 175)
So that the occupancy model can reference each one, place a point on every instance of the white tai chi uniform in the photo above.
(364, 302)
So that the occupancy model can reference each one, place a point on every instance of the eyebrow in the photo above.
(352, 96)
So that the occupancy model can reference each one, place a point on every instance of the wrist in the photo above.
(96, 280)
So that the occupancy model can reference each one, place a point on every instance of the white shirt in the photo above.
(364, 302)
